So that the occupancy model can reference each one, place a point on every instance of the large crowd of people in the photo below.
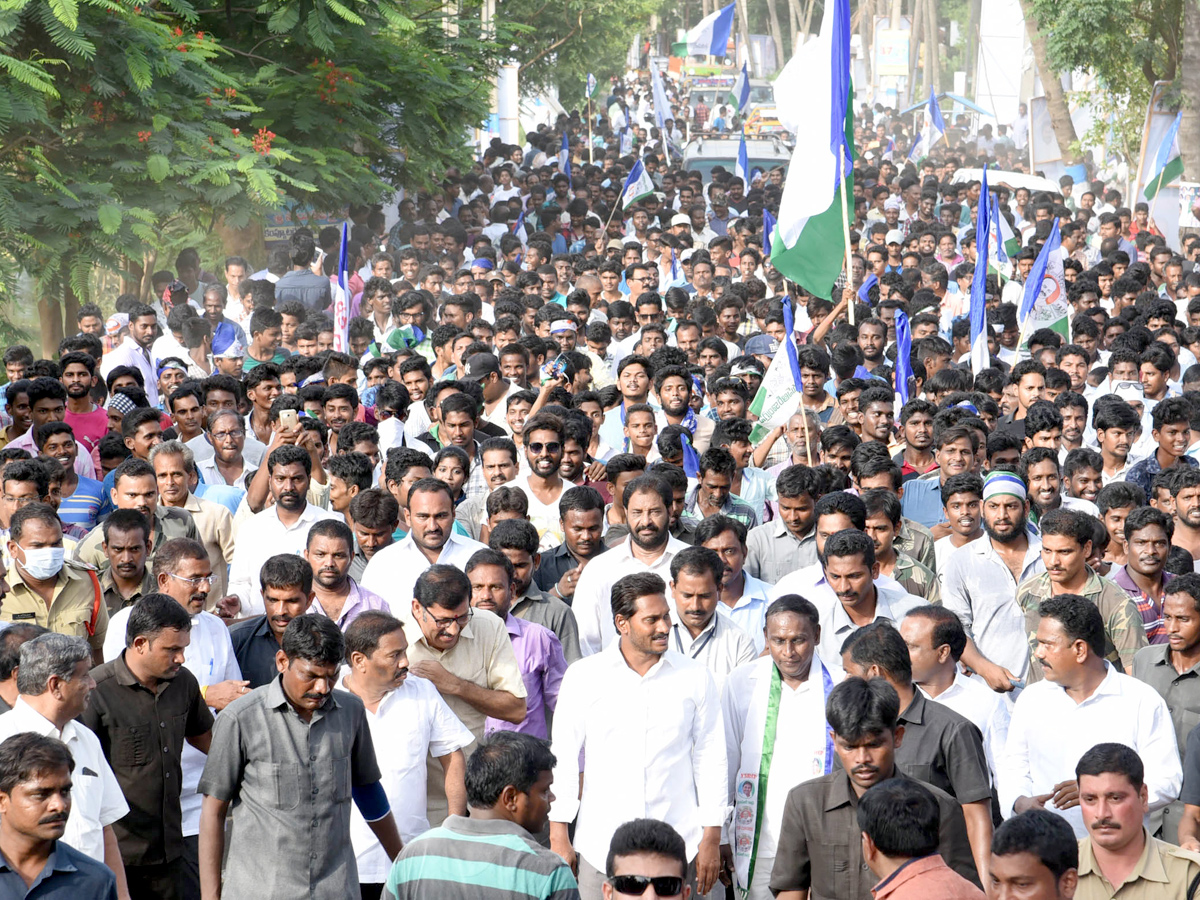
(471, 570)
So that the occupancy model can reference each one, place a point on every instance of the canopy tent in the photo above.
(962, 101)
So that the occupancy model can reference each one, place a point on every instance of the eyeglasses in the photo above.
(226, 435)
(194, 582)
(635, 885)
(551, 447)
(447, 621)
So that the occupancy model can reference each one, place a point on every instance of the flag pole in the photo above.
(591, 143)
(846, 230)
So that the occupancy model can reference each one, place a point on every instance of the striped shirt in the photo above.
(83, 506)
(479, 859)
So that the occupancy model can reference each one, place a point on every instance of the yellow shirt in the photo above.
(1163, 873)
(71, 607)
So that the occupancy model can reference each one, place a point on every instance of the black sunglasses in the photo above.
(635, 885)
(551, 447)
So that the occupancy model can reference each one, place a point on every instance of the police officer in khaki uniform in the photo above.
(44, 589)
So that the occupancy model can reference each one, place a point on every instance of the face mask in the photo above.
(43, 563)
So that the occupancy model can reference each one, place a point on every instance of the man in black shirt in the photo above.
(286, 584)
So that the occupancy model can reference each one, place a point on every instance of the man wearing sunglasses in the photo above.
(648, 859)
(542, 483)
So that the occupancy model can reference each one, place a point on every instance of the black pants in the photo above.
(157, 882)
(371, 891)
(189, 868)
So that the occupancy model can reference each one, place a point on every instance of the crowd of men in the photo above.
(505, 590)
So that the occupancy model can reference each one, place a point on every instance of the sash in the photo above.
(750, 788)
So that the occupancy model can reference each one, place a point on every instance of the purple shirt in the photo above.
(1152, 620)
(359, 601)
(540, 658)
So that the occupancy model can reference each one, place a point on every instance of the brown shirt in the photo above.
(820, 843)
(142, 734)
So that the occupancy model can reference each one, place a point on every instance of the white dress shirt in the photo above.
(749, 613)
(210, 474)
(1049, 732)
(129, 353)
(262, 537)
(208, 656)
(252, 451)
(96, 797)
(593, 594)
(654, 747)
(392, 573)
(980, 589)
(892, 604)
(979, 704)
(412, 722)
(721, 647)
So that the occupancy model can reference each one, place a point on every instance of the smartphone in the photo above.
(289, 419)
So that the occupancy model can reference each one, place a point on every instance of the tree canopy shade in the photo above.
(119, 115)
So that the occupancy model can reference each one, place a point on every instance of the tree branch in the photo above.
(262, 59)
(578, 27)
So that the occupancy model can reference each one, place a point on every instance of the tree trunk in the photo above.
(246, 242)
(776, 30)
(932, 57)
(866, 28)
(743, 15)
(914, 51)
(794, 15)
(50, 325)
(972, 44)
(70, 311)
(1189, 128)
(1056, 99)
(808, 14)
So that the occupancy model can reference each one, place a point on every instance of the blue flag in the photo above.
(341, 308)
(768, 229)
(869, 282)
(741, 90)
(742, 168)
(789, 342)
(980, 358)
(564, 157)
(519, 224)
(904, 369)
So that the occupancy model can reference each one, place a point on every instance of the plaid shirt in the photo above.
(1124, 633)
(734, 508)
(1152, 618)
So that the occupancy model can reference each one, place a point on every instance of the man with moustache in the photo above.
(286, 584)
(819, 853)
(329, 550)
(639, 706)
(293, 753)
(543, 485)
(648, 548)
(183, 572)
(774, 702)
(406, 714)
(147, 690)
(35, 805)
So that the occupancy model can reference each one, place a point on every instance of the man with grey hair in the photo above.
(11, 639)
(174, 464)
(54, 683)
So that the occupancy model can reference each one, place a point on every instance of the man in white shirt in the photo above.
(1083, 701)
(782, 694)
(935, 639)
(408, 716)
(54, 684)
(280, 528)
(542, 484)
(980, 584)
(394, 570)
(698, 632)
(649, 548)
(744, 598)
(183, 572)
(135, 350)
(639, 707)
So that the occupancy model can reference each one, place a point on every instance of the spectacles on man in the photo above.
(228, 435)
(447, 621)
(635, 885)
(194, 582)
(550, 447)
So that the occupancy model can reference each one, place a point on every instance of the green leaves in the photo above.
(66, 11)
(158, 167)
(110, 218)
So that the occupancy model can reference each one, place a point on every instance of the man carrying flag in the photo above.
(710, 37)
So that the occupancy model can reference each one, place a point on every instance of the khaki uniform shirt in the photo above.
(1163, 873)
(168, 523)
(70, 608)
(1124, 633)
(115, 600)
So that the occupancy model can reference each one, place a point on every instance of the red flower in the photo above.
(144, 136)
